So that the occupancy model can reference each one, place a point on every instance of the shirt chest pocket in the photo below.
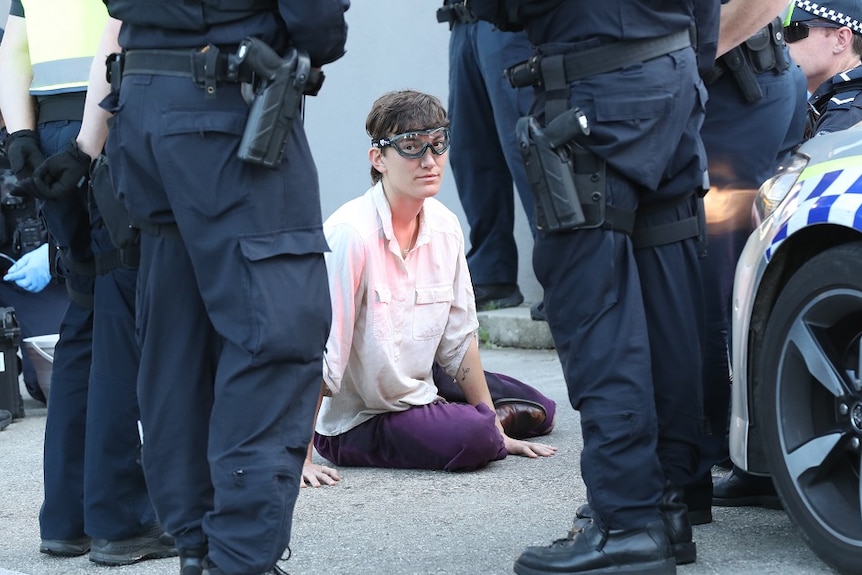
(431, 311)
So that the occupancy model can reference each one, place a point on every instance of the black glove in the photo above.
(22, 149)
(59, 177)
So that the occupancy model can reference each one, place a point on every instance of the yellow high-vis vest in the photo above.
(63, 36)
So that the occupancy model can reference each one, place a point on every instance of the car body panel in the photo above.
(826, 197)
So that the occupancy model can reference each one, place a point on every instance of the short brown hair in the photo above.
(403, 111)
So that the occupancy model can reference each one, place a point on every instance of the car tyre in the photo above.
(809, 400)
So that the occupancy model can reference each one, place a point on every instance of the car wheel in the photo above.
(810, 402)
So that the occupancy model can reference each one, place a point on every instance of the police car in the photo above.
(797, 344)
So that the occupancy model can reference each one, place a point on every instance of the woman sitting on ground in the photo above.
(403, 379)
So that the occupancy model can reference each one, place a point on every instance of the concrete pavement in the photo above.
(390, 522)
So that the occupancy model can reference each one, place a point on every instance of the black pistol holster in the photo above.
(567, 180)
(277, 99)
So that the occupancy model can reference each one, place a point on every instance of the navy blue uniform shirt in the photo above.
(317, 27)
(611, 20)
(838, 102)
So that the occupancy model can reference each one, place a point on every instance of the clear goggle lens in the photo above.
(414, 144)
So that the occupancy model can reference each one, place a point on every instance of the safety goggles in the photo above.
(796, 31)
(413, 144)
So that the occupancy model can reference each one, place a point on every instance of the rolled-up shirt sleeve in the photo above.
(463, 324)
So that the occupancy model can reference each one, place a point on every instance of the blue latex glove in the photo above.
(32, 271)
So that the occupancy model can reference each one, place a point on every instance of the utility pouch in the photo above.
(760, 51)
(112, 209)
(277, 99)
(455, 12)
(565, 197)
(776, 36)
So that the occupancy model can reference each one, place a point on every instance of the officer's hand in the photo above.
(59, 177)
(22, 149)
(32, 271)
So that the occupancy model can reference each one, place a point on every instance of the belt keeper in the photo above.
(210, 53)
(114, 70)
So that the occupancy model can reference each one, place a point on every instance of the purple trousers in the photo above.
(450, 435)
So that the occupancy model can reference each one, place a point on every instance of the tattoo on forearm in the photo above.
(464, 372)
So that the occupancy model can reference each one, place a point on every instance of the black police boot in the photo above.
(674, 513)
(738, 489)
(153, 543)
(675, 519)
(192, 561)
(598, 551)
(698, 499)
(211, 569)
(583, 519)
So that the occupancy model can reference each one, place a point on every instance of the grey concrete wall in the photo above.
(392, 44)
(4, 12)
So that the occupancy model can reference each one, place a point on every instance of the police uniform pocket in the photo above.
(381, 320)
(286, 305)
(636, 130)
(199, 156)
(431, 311)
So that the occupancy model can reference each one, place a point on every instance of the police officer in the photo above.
(618, 91)
(39, 300)
(233, 304)
(825, 39)
(755, 118)
(96, 498)
(483, 109)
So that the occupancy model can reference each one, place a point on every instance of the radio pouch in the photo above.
(113, 210)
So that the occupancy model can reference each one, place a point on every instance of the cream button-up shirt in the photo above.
(392, 317)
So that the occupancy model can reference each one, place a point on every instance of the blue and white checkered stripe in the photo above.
(820, 11)
(834, 197)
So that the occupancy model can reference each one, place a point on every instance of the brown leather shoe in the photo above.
(519, 416)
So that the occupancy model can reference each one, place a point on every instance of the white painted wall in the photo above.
(392, 44)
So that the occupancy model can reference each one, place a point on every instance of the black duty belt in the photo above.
(619, 55)
(61, 107)
(202, 66)
(594, 61)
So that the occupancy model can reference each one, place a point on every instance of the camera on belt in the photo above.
(20, 225)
